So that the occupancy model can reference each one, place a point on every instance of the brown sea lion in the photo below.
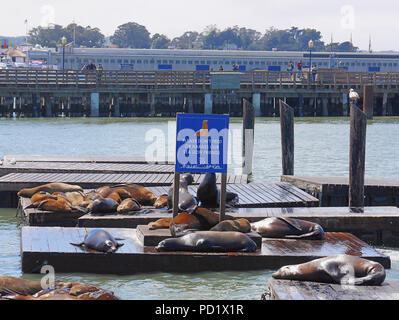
(123, 194)
(209, 241)
(163, 223)
(103, 191)
(342, 269)
(128, 206)
(279, 227)
(41, 196)
(77, 198)
(238, 225)
(55, 206)
(161, 202)
(50, 188)
(21, 286)
(200, 219)
(144, 196)
(64, 294)
(115, 196)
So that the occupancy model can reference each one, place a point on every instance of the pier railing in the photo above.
(170, 80)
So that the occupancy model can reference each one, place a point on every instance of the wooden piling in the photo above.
(368, 101)
(287, 137)
(248, 135)
(357, 154)
(176, 187)
(223, 187)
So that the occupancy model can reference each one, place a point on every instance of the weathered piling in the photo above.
(248, 134)
(357, 154)
(368, 101)
(287, 137)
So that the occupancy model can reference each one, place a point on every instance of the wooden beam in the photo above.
(287, 137)
(357, 154)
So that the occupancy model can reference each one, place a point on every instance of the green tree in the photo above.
(186, 40)
(85, 36)
(131, 35)
(160, 41)
(47, 37)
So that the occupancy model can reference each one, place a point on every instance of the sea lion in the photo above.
(77, 198)
(115, 196)
(342, 269)
(128, 206)
(201, 219)
(161, 202)
(50, 188)
(209, 241)
(208, 194)
(100, 240)
(187, 202)
(103, 191)
(103, 206)
(54, 206)
(144, 196)
(41, 196)
(20, 286)
(238, 225)
(279, 227)
(163, 223)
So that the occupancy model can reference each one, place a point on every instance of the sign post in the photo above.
(201, 147)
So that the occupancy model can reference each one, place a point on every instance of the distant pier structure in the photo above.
(57, 93)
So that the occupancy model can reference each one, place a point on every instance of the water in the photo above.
(321, 148)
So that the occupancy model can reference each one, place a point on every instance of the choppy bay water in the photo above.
(321, 148)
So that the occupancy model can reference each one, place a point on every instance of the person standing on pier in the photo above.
(314, 73)
(299, 67)
(100, 71)
(90, 67)
(290, 68)
(221, 68)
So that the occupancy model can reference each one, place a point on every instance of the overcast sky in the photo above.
(361, 18)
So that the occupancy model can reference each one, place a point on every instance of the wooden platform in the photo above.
(18, 181)
(333, 191)
(84, 167)
(303, 290)
(376, 226)
(81, 159)
(267, 195)
(43, 245)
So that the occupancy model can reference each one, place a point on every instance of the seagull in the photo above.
(353, 95)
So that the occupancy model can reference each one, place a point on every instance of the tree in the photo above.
(160, 41)
(85, 36)
(47, 37)
(186, 40)
(131, 35)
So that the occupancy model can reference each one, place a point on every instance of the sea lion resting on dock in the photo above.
(279, 227)
(100, 240)
(341, 269)
(103, 206)
(50, 188)
(238, 225)
(128, 206)
(144, 196)
(62, 291)
(209, 241)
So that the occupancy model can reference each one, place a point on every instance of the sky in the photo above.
(341, 19)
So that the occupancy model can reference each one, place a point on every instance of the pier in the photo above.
(304, 290)
(42, 245)
(54, 93)
(333, 191)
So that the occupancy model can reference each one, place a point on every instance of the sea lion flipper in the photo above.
(77, 244)
(119, 239)
(310, 235)
(291, 222)
(118, 245)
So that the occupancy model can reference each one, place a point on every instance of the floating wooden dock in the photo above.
(51, 245)
(84, 167)
(304, 290)
(251, 195)
(334, 191)
(64, 158)
(376, 226)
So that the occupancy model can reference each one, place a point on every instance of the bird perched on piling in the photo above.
(353, 97)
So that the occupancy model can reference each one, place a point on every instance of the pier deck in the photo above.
(267, 195)
(334, 191)
(43, 245)
(65, 158)
(304, 290)
(376, 226)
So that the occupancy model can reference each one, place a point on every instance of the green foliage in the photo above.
(51, 37)
(131, 35)
(134, 35)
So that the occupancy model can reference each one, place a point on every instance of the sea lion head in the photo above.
(168, 245)
(287, 272)
(186, 180)
(161, 202)
(108, 246)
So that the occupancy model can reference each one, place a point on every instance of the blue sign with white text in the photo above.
(201, 143)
